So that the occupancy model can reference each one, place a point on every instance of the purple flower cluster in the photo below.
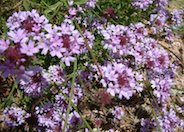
(160, 17)
(142, 4)
(29, 21)
(121, 80)
(118, 112)
(64, 42)
(74, 10)
(118, 39)
(30, 34)
(55, 74)
(161, 3)
(91, 3)
(158, 20)
(25, 31)
(147, 125)
(169, 121)
(136, 64)
(35, 83)
(4, 44)
(75, 119)
(15, 116)
(162, 87)
(177, 16)
(52, 115)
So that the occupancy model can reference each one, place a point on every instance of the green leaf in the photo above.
(4, 28)
(79, 2)
(53, 7)
(27, 4)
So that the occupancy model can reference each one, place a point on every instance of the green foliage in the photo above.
(79, 2)
(124, 10)
(54, 10)
(9, 100)
(3, 28)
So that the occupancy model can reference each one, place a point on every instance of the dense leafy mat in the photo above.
(90, 65)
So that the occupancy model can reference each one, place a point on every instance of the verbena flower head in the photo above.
(162, 82)
(65, 41)
(139, 30)
(147, 125)
(14, 116)
(36, 83)
(158, 20)
(142, 4)
(118, 112)
(50, 117)
(162, 3)
(77, 94)
(169, 121)
(13, 64)
(91, 3)
(136, 58)
(118, 39)
(121, 80)
(177, 16)
(55, 74)
(75, 120)
(109, 12)
(60, 99)
(29, 21)
(7, 69)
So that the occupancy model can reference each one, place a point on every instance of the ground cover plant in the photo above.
(90, 65)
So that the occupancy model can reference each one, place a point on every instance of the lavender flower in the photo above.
(161, 3)
(60, 102)
(29, 49)
(36, 83)
(91, 3)
(72, 11)
(142, 4)
(60, 99)
(169, 34)
(17, 35)
(7, 69)
(169, 121)
(4, 44)
(158, 20)
(14, 116)
(52, 115)
(147, 125)
(75, 120)
(177, 16)
(50, 118)
(30, 21)
(121, 80)
(139, 30)
(118, 112)
(78, 93)
(65, 41)
(14, 63)
(55, 74)
(118, 39)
